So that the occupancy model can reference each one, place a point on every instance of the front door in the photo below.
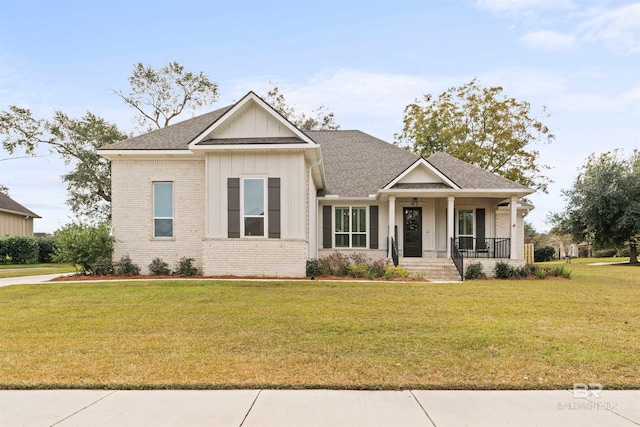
(412, 232)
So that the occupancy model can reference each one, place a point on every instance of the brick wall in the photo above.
(132, 210)
(255, 257)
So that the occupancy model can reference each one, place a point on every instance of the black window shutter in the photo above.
(373, 227)
(480, 229)
(274, 207)
(326, 227)
(233, 208)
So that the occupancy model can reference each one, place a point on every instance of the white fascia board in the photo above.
(252, 147)
(251, 96)
(426, 164)
(22, 214)
(336, 198)
(116, 154)
(441, 192)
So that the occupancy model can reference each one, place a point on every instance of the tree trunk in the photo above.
(633, 253)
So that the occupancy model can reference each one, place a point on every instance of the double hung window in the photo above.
(350, 227)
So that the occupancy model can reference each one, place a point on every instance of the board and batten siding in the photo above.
(288, 166)
(132, 210)
(15, 224)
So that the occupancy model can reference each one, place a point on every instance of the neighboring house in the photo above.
(245, 193)
(15, 219)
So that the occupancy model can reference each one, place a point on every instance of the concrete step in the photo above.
(432, 269)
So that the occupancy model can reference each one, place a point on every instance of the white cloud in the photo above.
(520, 5)
(549, 41)
(618, 29)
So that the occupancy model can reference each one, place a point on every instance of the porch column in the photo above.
(392, 222)
(450, 223)
(513, 207)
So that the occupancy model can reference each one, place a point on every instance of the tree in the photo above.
(4, 189)
(323, 119)
(76, 141)
(482, 127)
(603, 206)
(160, 95)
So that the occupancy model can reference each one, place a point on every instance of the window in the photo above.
(163, 209)
(465, 228)
(350, 227)
(253, 206)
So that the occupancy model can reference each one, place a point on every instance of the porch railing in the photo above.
(457, 258)
(394, 251)
(489, 247)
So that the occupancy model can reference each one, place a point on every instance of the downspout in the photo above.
(24, 225)
(313, 253)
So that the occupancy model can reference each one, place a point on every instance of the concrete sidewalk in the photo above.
(249, 408)
(27, 280)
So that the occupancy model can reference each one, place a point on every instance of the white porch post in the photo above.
(392, 222)
(450, 223)
(513, 205)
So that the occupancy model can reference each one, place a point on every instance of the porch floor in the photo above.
(432, 269)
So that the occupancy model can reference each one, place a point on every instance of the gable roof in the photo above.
(173, 137)
(7, 204)
(470, 177)
(357, 164)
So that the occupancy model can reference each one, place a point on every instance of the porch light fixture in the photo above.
(414, 203)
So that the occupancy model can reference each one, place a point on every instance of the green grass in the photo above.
(20, 270)
(485, 334)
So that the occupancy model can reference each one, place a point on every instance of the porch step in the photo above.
(432, 269)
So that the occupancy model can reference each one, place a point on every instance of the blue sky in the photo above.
(365, 60)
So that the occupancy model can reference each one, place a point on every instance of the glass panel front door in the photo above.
(412, 232)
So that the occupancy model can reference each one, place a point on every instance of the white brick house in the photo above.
(245, 193)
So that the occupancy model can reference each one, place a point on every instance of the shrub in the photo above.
(83, 245)
(159, 268)
(185, 267)
(475, 271)
(46, 249)
(541, 273)
(503, 270)
(377, 268)
(102, 267)
(605, 253)
(360, 258)
(334, 264)
(544, 253)
(19, 249)
(358, 270)
(559, 271)
(392, 272)
(126, 267)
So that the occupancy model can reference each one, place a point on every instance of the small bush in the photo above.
(185, 267)
(358, 270)
(475, 271)
(559, 271)
(503, 270)
(544, 253)
(392, 272)
(159, 268)
(102, 267)
(313, 268)
(334, 264)
(541, 273)
(360, 258)
(377, 268)
(126, 267)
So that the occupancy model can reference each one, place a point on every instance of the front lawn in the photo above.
(20, 270)
(215, 334)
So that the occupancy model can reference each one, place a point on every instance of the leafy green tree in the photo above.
(76, 141)
(603, 206)
(84, 246)
(480, 126)
(160, 95)
(323, 119)
(4, 190)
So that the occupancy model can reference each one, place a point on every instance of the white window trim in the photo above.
(265, 183)
(351, 233)
(173, 210)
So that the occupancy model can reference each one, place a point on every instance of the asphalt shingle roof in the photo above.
(357, 164)
(8, 204)
(468, 176)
